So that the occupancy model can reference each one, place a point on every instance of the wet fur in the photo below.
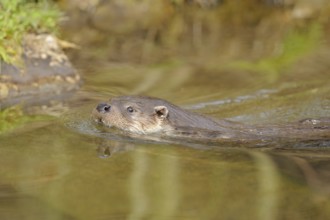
(153, 115)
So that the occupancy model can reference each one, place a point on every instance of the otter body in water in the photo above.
(147, 115)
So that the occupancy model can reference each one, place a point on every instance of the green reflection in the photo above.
(269, 193)
(154, 186)
(148, 181)
(297, 44)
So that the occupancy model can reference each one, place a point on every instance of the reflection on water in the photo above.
(81, 176)
(70, 168)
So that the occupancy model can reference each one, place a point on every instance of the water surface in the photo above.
(66, 169)
(69, 168)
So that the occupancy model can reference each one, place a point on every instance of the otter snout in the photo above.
(103, 107)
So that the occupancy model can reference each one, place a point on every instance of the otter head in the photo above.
(136, 114)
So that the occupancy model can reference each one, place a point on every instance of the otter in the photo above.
(149, 115)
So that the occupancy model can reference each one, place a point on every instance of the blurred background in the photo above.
(191, 51)
(255, 36)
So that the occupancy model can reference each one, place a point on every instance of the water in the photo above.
(70, 168)
(51, 172)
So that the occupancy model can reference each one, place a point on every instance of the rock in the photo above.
(45, 74)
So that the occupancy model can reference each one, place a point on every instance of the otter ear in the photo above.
(161, 111)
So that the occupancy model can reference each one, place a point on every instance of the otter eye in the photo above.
(130, 109)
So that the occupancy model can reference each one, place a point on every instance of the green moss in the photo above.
(14, 117)
(295, 45)
(18, 17)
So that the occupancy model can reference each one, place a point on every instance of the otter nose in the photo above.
(103, 107)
